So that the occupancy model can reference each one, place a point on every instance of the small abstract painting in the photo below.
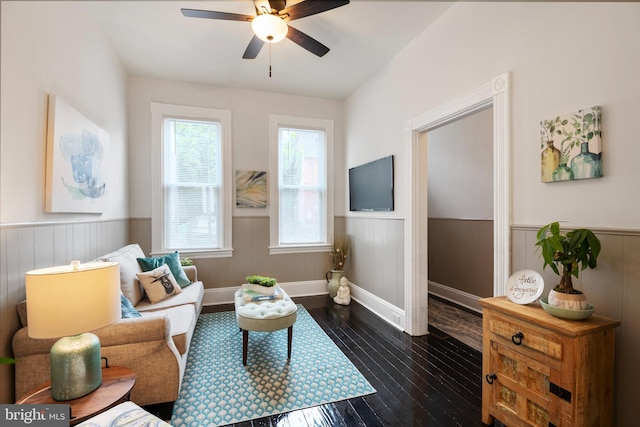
(571, 146)
(75, 172)
(251, 189)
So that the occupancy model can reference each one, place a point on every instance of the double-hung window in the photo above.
(191, 203)
(302, 195)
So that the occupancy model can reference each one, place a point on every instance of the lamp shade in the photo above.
(269, 28)
(72, 299)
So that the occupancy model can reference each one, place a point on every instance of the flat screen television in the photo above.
(371, 186)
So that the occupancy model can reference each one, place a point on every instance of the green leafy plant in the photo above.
(584, 126)
(548, 128)
(340, 252)
(267, 282)
(6, 360)
(186, 262)
(574, 251)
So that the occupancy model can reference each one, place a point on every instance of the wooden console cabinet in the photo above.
(539, 370)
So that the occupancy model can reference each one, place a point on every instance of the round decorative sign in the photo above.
(524, 286)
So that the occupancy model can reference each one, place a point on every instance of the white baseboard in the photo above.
(390, 313)
(456, 296)
(215, 296)
(386, 311)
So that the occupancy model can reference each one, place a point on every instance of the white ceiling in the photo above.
(155, 40)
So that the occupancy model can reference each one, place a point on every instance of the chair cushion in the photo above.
(191, 295)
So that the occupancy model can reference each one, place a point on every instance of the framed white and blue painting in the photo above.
(76, 174)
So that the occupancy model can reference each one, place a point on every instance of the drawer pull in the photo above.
(490, 378)
(517, 338)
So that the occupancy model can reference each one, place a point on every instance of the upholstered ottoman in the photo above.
(264, 316)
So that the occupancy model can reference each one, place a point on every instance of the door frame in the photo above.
(416, 287)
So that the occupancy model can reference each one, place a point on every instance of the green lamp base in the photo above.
(76, 369)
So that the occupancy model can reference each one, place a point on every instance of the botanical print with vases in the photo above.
(571, 146)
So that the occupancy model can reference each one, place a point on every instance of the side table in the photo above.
(117, 382)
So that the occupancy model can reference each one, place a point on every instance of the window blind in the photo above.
(192, 178)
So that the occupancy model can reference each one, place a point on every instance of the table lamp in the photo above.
(68, 301)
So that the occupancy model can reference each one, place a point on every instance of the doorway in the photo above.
(496, 94)
(460, 203)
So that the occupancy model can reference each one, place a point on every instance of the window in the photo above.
(191, 210)
(302, 199)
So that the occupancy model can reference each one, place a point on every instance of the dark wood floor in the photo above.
(434, 380)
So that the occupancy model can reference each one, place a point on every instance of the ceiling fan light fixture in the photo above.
(269, 28)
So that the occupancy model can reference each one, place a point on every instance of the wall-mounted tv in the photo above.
(371, 186)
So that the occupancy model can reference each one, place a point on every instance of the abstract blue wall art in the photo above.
(76, 178)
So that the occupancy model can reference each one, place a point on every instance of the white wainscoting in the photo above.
(29, 246)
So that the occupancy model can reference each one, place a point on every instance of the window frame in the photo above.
(160, 112)
(282, 121)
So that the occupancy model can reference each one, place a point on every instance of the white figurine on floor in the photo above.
(344, 293)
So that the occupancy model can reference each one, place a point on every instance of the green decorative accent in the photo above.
(267, 282)
(217, 390)
(562, 173)
(567, 313)
(574, 251)
(334, 282)
(173, 261)
(7, 360)
(76, 369)
(586, 164)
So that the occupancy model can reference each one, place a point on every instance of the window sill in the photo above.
(199, 254)
(299, 249)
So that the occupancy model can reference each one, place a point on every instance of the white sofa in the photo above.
(155, 346)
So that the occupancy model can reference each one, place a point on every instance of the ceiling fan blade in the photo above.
(208, 14)
(308, 8)
(307, 42)
(253, 49)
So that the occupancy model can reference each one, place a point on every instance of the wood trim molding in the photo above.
(494, 93)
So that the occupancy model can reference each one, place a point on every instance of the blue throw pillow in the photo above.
(128, 310)
(173, 261)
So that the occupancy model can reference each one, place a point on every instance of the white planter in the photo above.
(263, 290)
(568, 301)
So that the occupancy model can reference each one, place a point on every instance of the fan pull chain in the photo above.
(269, 60)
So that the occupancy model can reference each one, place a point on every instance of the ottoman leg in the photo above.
(290, 338)
(245, 346)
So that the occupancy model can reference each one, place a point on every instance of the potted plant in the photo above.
(338, 257)
(573, 252)
(262, 284)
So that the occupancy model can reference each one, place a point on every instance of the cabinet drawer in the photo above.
(527, 335)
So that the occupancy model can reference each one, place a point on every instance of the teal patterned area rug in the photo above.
(217, 390)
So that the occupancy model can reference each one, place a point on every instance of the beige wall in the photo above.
(461, 256)
(250, 111)
(250, 255)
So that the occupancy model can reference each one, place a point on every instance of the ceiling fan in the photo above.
(270, 23)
